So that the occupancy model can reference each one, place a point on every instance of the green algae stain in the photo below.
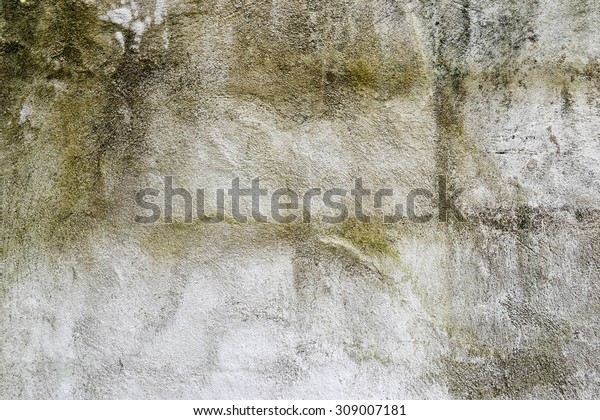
(56, 49)
(83, 93)
(374, 239)
(76, 197)
(450, 96)
(303, 73)
(529, 372)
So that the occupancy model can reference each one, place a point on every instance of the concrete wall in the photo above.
(101, 99)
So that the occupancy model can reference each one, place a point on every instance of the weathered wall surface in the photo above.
(99, 100)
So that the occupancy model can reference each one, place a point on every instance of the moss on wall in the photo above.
(304, 73)
(538, 369)
(82, 94)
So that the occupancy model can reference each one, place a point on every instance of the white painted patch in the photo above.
(129, 16)
(165, 38)
(120, 38)
(138, 27)
(121, 16)
(160, 11)
(24, 114)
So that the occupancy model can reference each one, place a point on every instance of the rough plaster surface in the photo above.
(102, 98)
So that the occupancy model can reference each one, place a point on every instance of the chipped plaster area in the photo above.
(104, 98)
(136, 17)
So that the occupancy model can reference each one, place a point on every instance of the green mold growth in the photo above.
(62, 38)
(499, 78)
(526, 221)
(168, 242)
(530, 372)
(54, 50)
(84, 124)
(450, 94)
(372, 75)
(76, 196)
(305, 70)
(591, 72)
(296, 232)
(369, 243)
(449, 97)
(567, 99)
(374, 239)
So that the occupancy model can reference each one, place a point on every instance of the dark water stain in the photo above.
(540, 369)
